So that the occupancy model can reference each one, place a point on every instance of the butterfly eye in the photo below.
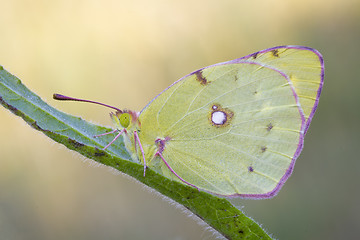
(125, 120)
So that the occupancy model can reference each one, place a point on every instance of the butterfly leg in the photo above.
(117, 136)
(137, 139)
(161, 156)
(107, 133)
(135, 146)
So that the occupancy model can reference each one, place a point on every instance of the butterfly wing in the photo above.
(233, 129)
(305, 68)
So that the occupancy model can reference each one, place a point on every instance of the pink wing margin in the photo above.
(305, 125)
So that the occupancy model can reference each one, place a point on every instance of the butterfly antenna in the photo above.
(66, 98)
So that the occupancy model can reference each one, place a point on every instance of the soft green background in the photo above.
(124, 53)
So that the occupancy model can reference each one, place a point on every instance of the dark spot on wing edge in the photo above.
(201, 78)
(275, 53)
(254, 56)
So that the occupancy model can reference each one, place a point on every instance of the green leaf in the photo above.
(77, 134)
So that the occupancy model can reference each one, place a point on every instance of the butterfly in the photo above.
(233, 129)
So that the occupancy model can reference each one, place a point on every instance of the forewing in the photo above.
(251, 152)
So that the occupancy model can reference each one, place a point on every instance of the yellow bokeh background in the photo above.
(124, 53)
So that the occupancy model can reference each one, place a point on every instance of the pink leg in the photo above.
(135, 143)
(159, 154)
(136, 138)
(106, 133)
(117, 136)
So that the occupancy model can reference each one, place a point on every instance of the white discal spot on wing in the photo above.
(218, 117)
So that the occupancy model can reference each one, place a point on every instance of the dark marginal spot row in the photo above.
(201, 78)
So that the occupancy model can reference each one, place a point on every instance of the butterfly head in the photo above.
(125, 119)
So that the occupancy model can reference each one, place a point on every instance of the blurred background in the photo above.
(124, 53)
